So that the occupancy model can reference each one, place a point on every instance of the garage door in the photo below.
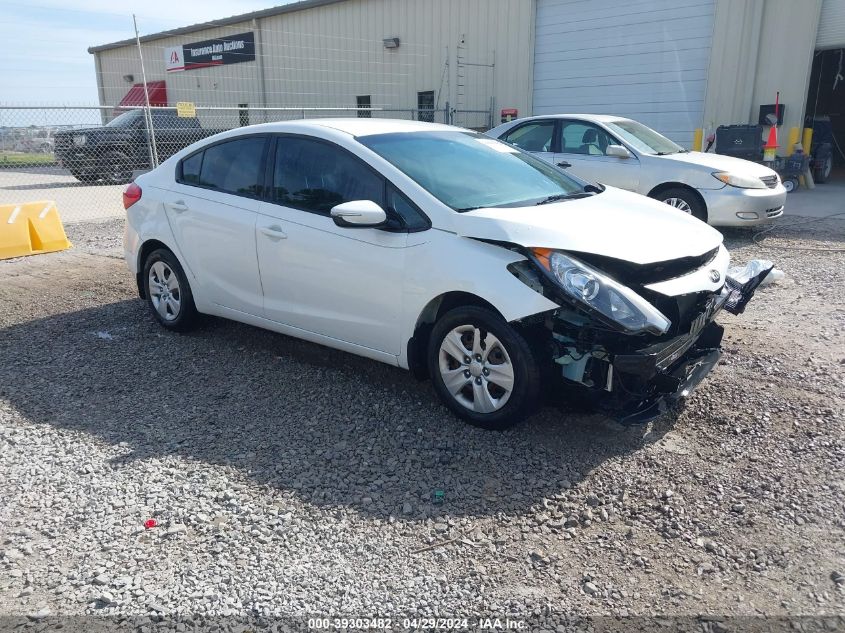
(831, 25)
(643, 59)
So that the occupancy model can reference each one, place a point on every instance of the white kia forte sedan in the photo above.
(442, 251)
(720, 190)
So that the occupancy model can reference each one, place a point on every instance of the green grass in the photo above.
(22, 159)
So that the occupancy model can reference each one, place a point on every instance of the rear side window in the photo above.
(316, 176)
(532, 137)
(190, 174)
(233, 166)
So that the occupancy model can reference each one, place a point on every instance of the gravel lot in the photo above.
(290, 480)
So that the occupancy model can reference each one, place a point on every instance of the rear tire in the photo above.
(483, 369)
(168, 292)
(822, 172)
(683, 200)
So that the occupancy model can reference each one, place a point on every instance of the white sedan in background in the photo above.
(438, 250)
(720, 190)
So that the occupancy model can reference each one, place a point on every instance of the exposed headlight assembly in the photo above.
(735, 180)
(593, 289)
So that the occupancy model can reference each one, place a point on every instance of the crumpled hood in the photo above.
(614, 223)
(718, 162)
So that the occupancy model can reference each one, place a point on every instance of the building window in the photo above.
(365, 102)
(243, 114)
(425, 106)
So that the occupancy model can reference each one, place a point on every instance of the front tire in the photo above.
(683, 200)
(168, 292)
(483, 369)
(118, 169)
(790, 184)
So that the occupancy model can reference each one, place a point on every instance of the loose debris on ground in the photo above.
(287, 479)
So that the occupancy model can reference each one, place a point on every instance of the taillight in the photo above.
(131, 195)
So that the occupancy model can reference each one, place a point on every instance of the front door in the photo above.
(582, 150)
(212, 210)
(343, 283)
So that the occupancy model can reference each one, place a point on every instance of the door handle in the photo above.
(179, 206)
(273, 232)
(564, 164)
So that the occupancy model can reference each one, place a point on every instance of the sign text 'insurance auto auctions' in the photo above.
(232, 49)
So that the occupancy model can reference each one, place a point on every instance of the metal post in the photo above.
(148, 117)
(259, 56)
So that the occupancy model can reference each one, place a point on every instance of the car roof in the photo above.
(355, 126)
(597, 118)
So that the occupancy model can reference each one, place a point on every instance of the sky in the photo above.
(45, 42)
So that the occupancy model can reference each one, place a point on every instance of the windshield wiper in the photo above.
(680, 151)
(463, 209)
(566, 196)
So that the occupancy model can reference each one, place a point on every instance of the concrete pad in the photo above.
(824, 200)
(76, 201)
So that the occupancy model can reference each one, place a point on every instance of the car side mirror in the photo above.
(359, 214)
(620, 151)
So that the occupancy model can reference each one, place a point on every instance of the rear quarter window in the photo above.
(190, 169)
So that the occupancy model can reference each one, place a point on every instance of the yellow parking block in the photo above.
(31, 228)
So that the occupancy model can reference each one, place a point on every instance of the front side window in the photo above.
(467, 171)
(316, 176)
(579, 137)
(404, 212)
(532, 137)
(233, 166)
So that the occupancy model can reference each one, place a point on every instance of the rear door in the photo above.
(537, 136)
(582, 148)
(212, 209)
(343, 283)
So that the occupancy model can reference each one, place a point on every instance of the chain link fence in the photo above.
(69, 155)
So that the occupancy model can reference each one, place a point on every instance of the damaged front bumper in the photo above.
(636, 385)
(646, 388)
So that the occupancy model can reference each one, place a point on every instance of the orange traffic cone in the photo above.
(771, 146)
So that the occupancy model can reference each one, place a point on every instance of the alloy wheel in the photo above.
(476, 369)
(165, 294)
(679, 203)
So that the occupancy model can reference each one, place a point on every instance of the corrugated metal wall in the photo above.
(760, 47)
(644, 59)
(832, 25)
(465, 50)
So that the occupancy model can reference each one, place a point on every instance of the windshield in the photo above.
(127, 119)
(644, 139)
(468, 171)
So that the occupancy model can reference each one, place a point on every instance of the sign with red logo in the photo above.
(232, 49)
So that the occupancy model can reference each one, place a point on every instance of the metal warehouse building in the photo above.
(676, 65)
